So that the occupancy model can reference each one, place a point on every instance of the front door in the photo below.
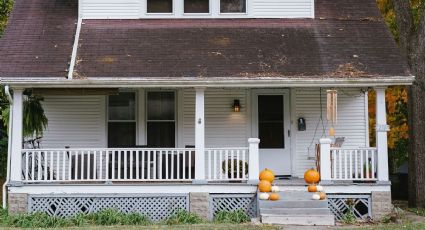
(272, 127)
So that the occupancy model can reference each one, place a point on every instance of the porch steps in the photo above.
(296, 208)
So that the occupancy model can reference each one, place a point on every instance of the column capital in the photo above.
(325, 141)
(380, 87)
(200, 89)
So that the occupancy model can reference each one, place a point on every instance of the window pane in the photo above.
(122, 106)
(160, 6)
(121, 134)
(161, 134)
(196, 6)
(160, 106)
(233, 6)
(271, 121)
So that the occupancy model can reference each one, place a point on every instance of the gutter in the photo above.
(9, 145)
(213, 82)
(75, 49)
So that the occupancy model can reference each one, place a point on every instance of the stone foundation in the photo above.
(199, 203)
(381, 205)
(18, 203)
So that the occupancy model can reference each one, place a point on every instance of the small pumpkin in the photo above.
(274, 196)
(264, 196)
(311, 176)
(322, 195)
(315, 196)
(267, 175)
(312, 188)
(264, 186)
(275, 188)
(319, 188)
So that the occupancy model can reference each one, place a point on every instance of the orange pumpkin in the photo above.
(267, 175)
(264, 186)
(322, 195)
(311, 176)
(274, 196)
(312, 188)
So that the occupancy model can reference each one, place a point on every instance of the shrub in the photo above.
(184, 217)
(106, 217)
(235, 217)
(36, 220)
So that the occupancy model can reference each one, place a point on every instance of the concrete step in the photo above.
(296, 211)
(309, 220)
(293, 204)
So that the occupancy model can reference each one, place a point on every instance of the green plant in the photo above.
(135, 219)
(235, 217)
(36, 220)
(394, 217)
(234, 172)
(184, 217)
(349, 217)
(106, 217)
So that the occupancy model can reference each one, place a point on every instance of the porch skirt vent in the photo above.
(156, 207)
(343, 204)
(234, 202)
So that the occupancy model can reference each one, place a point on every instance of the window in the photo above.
(196, 6)
(271, 121)
(122, 120)
(232, 6)
(160, 6)
(161, 123)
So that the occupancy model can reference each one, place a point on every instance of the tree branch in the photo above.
(405, 24)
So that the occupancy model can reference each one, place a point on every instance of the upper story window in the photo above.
(232, 6)
(159, 6)
(196, 6)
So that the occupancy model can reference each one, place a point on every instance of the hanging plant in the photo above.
(34, 118)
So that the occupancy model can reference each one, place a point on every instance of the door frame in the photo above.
(287, 116)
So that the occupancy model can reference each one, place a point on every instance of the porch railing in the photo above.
(59, 165)
(227, 164)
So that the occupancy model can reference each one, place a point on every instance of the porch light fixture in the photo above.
(236, 106)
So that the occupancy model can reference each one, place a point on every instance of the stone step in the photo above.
(309, 220)
(296, 211)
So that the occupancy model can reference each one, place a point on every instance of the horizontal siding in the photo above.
(351, 123)
(75, 121)
(223, 127)
(282, 8)
(115, 9)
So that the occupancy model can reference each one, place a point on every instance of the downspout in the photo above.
(75, 49)
(9, 145)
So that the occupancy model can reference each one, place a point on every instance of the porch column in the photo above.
(200, 136)
(16, 137)
(254, 161)
(325, 159)
(381, 134)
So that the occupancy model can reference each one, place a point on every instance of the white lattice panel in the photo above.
(340, 205)
(225, 202)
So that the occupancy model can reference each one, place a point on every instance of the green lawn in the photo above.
(409, 226)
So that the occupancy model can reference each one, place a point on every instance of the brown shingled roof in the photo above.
(347, 39)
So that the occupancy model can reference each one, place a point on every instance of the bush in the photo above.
(184, 217)
(235, 217)
(36, 220)
(115, 217)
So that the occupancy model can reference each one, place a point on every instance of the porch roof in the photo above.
(347, 40)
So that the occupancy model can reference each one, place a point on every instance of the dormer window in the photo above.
(196, 6)
(159, 6)
(232, 6)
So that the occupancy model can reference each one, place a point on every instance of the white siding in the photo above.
(75, 121)
(351, 123)
(133, 9)
(223, 127)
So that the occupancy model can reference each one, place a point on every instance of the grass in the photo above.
(407, 226)
(417, 211)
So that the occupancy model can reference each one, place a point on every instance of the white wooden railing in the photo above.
(151, 164)
(227, 164)
(354, 164)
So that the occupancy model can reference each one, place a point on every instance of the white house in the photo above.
(148, 101)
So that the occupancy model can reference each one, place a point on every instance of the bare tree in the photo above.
(412, 43)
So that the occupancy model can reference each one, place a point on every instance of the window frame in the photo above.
(198, 14)
(233, 13)
(136, 114)
(156, 14)
(146, 120)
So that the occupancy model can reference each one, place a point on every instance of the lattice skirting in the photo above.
(234, 202)
(156, 207)
(340, 205)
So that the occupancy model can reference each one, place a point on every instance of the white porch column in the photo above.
(253, 161)
(16, 138)
(325, 159)
(200, 136)
(381, 134)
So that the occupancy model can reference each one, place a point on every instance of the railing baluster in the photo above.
(361, 165)
(356, 169)
(100, 176)
(26, 165)
(57, 165)
(149, 165)
(208, 166)
(113, 168)
(143, 164)
(350, 176)
(137, 165)
(63, 165)
(166, 165)
(220, 163)
(190, 163)
(238, 176)
(119, 164)
(367, 164)
(215, 170)
(373, 164)
(244, 176)
(184, 164)
(125, 164)
(51, 165)
(155, 153)
(178, 164)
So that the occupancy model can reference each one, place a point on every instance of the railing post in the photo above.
(200, 136)
(254, 162)
(16, 139)
(381, 134)
(325, 159)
